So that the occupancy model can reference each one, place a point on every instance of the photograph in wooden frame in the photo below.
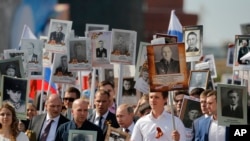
(190, 110)
(85, 135)
(171, 77)
(198, 79)
(116, 134)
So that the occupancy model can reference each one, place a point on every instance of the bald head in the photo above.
(53, 105)
(79, 111)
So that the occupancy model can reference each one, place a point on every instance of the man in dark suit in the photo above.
(53, 106)
(234, 109)
(101, 51)
(125, 118)
(79, 112)
(192, 42)
(57, 36)
(167, 64)
(102, 117)
(63, 68)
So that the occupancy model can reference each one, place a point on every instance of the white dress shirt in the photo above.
(52, 131)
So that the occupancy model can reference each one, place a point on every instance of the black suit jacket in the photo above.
(237, 113)
(59, 39)
(36, 124)
(34, 58)
(101, 53)
(163, 67)
(111, 118)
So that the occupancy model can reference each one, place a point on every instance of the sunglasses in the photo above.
(69, 99)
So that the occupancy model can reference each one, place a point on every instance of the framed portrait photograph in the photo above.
(123, 43)
(12, 53)
(60, 71)
(141, 74)
(100, 47)
(167, 67)
(47, 58)
(190, 110)
(114, 134)
(168, 38)
(58, 34)
(231, 104)
(12, 67)
(198, 79)
(79, 54)
(34, 49)
(109, 74)
(230, 57)
(193, 38)
(82, 135)
(212, 67)
(94, 27)
(15, 91)
(129, 94)
(242, 48)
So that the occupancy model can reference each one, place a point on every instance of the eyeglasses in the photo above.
(69, 99)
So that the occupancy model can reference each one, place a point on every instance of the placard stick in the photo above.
(192, 65)
(92, 89)
(172, 108)
(80, 80)
(119, 88)
(41, 97)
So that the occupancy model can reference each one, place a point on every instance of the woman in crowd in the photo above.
(8, 125)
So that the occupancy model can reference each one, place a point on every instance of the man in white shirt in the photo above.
(157, 125)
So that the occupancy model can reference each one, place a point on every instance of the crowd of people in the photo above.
(149, 120)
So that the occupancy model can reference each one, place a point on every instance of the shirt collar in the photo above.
(103, 116)
(56, 119)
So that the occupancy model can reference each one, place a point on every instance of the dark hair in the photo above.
(104, 83)
(232, 91)
(74, 90)
(196, 91)
(192, 33)
(102, 92)
(14, 124)
(10, 66)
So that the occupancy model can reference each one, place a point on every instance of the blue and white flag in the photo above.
(175, 27)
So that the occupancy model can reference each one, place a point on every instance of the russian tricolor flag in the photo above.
(175, 27)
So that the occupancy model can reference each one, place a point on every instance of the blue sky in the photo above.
(221, 19)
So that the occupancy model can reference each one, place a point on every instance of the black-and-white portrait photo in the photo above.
(78, 52)
(109, 75)
(198, 79)
(232, 103)
(192, 41)
(15, 92)
(128, 87)
(168, 62)
(190, 111)
(12, 67)
(101, 51)
(62, 67)
(57, 36)
(244, 48)
(123, 46)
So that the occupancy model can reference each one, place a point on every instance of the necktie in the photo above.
(46, 131)
(127, 130)
(100, 122)
(232, 108)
